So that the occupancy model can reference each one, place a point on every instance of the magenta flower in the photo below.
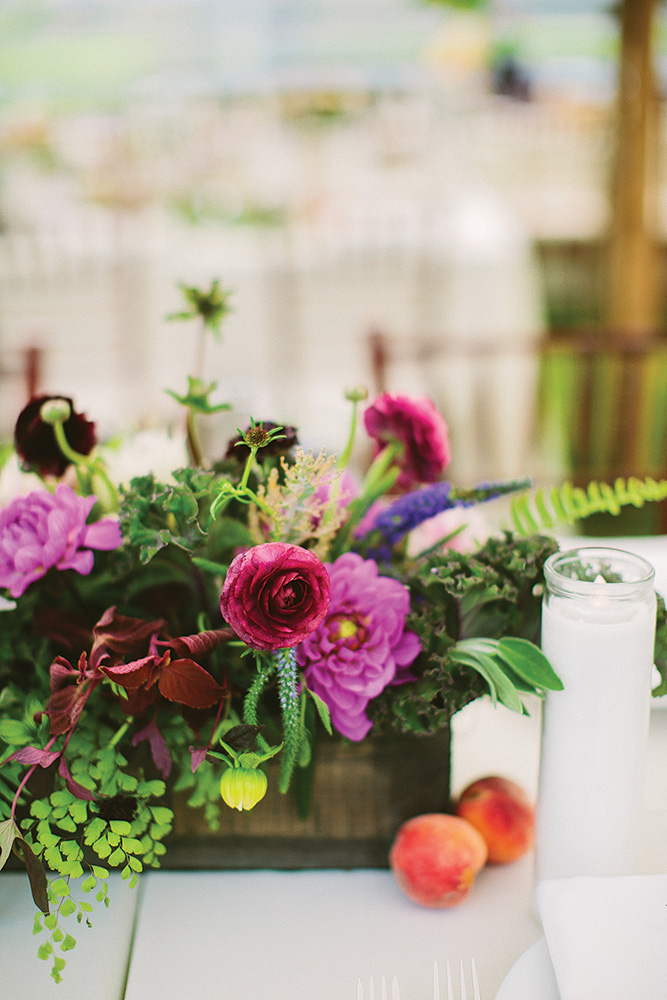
(44, 530)
(361, 646)
(274, 595)
(415, 422)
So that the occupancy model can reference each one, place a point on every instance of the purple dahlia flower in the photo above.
(361, 646)
(44, 530)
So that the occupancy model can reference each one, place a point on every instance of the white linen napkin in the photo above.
(607, 936)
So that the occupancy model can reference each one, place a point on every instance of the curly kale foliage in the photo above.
(493, 593)
(660, 655)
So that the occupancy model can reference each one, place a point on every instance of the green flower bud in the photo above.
(356, 393)
(55, 411)
(243, 787)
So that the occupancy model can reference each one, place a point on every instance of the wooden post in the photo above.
(633, 293)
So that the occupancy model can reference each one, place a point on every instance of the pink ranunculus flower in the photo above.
(275, 595)
(415, 422)
(44, 530)
(361, 646)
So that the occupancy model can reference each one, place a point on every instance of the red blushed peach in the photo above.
(436, 857)
(503, 814)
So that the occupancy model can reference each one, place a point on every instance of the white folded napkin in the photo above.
(607, 936)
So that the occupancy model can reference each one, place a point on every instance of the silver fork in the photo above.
(395, 993)
(463, 992)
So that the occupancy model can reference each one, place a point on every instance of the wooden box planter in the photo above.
(361, 794)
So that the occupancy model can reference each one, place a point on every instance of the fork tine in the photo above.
(360, 990)
(450, 988)
(436, 982)
(476, 994)
(462, 977)
(383, 989)
(395, 992)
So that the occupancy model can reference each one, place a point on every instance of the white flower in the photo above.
(147, 451)
(15, 482)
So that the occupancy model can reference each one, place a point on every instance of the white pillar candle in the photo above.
(598, 631)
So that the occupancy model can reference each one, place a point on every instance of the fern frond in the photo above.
(545, 510)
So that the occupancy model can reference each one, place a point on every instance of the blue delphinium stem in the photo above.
(410, 510)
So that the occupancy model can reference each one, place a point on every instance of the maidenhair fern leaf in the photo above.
(544, 510)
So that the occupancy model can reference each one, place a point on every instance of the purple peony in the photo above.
(44, 530)
(361, 646)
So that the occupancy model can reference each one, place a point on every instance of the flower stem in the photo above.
(25, 779)
(251, 703)
(120, 732)
(193, 443)
(344, 459)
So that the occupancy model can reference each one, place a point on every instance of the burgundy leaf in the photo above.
(138, 702)
(62, 673)
(158, 744)
(186, 682)
(201, 643)
(74, 786)
(133, 675)
(198, 755)
(36, 873)
(33, 755)
(65, 706)
(125, 635)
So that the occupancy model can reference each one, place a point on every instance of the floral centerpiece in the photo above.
(198, 630)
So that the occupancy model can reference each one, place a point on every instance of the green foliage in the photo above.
(210, 306)
(660, 655)
(154, 515)
(491, 594)
(566, 504)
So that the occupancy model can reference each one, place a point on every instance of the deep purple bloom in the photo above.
(361, 646)
(274, 595)
(35, 440)
(44, 530)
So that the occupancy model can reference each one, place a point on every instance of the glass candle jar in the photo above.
(598, 631)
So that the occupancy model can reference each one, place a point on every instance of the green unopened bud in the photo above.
(55, 411)
(356, 394)
(243, 787)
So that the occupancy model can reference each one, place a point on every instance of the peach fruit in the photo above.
(503, 814)
(435, 858)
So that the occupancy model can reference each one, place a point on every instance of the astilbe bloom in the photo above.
(274, 595)
(361, 646)
(44, 530)
(417, 425)
(35, 441)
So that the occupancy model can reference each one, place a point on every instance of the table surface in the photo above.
(268, 935)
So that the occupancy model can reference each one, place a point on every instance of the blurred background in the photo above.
(466, 200)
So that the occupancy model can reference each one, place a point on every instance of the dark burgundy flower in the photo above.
(238, 450)
(35, 440)
(275, 595)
